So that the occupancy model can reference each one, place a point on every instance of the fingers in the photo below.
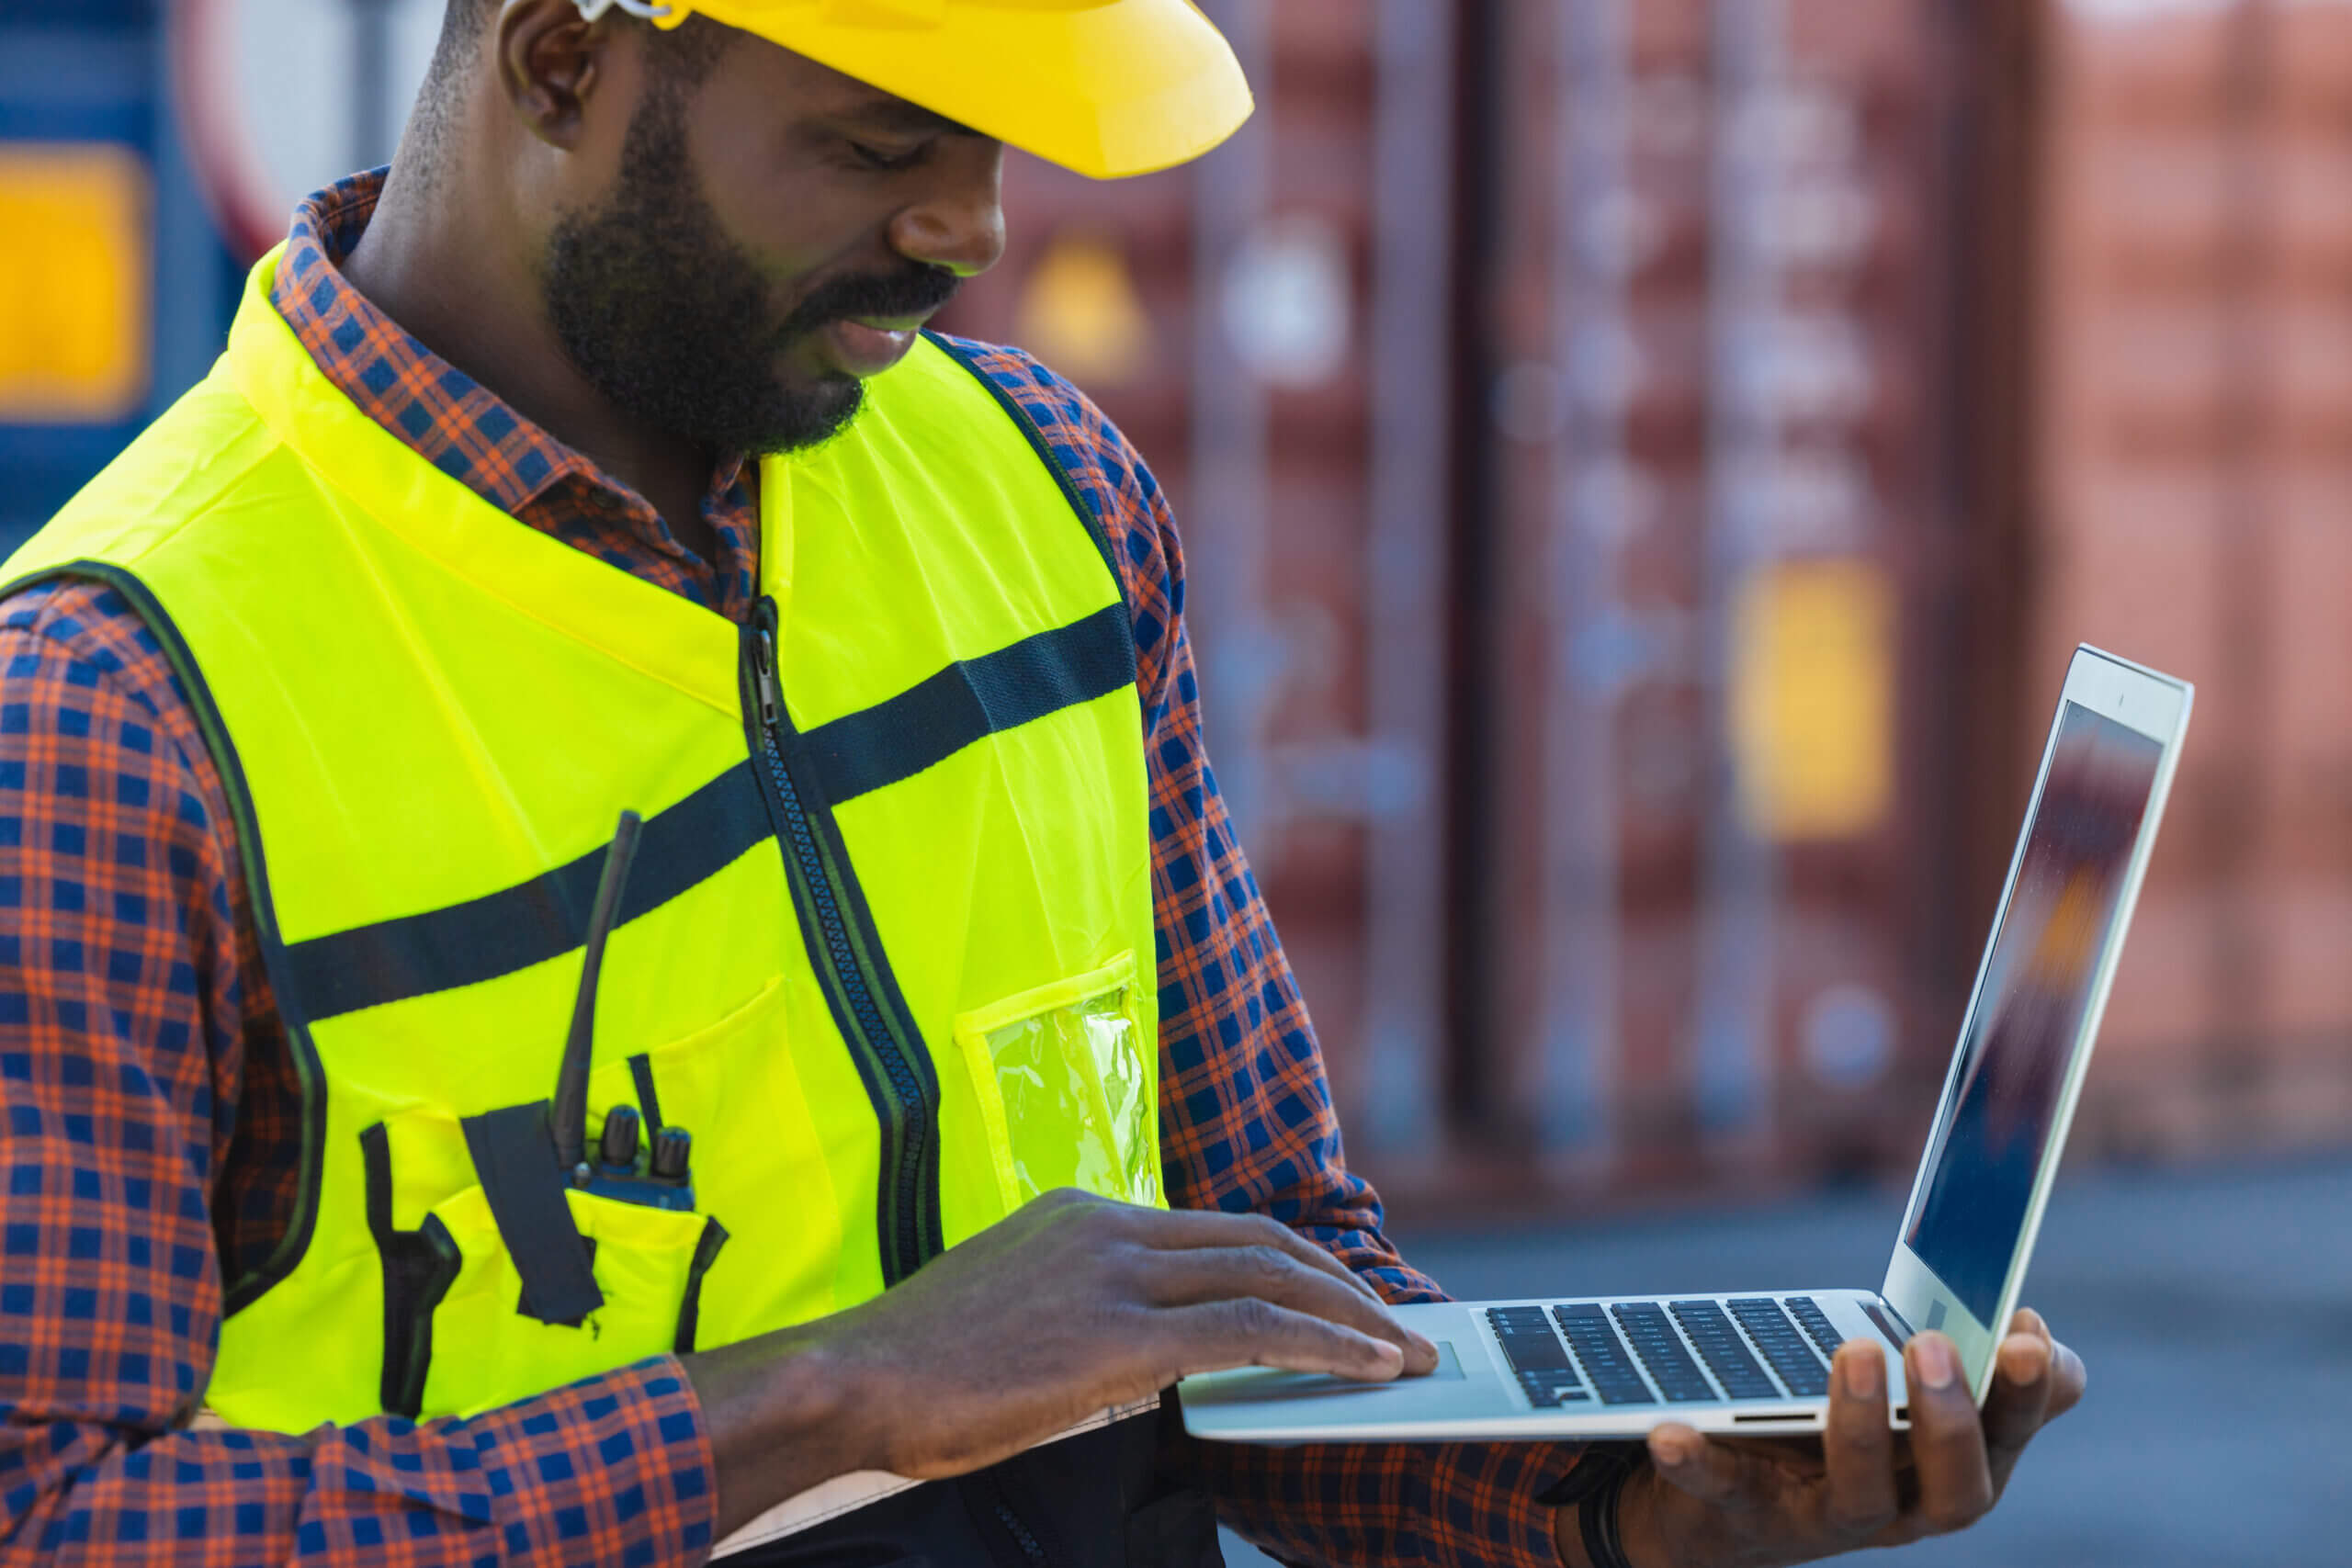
(1249, 1332)
(2068, 1376)
(1174, 1229)
(1215, 1256)
(1858, 1447)
(2019, 1400)
(2036, 1380)
(1948, 1447)
(1273, 1275)
(1733, 1478)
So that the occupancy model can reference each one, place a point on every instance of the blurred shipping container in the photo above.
(2195, 509)
(1643, 465)
(1270, 328)
(1719, 763)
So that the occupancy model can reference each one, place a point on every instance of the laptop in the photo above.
(1756, 1362)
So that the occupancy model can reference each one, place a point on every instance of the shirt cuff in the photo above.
(615, 1471)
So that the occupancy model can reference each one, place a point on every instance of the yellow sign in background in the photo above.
(1812, 698)
(75, 257)
(1081, 313)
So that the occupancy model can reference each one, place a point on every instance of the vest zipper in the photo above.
(1024, 1538)
(847, 954)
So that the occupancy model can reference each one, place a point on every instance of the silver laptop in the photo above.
(1758, 1361)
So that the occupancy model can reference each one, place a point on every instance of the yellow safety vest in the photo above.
(887, 951)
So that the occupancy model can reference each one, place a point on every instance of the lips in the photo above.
(867, 345)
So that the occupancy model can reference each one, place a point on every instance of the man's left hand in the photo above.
(1765, 1504)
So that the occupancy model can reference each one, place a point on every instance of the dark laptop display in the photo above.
(2037, 983)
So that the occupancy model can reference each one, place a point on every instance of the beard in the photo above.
(675, 324)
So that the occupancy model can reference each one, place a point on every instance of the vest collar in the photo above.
(648, 628)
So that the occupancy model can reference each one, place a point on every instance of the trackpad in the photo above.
(1261, 1386)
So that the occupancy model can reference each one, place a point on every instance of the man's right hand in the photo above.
(1072, 1305)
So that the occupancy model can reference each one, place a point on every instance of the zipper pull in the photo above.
(764, 673)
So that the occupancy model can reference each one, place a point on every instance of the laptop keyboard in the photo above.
(1815, 1323)
(1661, 1353)
(1725, 1352)
(1775, 1334)
(1603, 1355)
(1545, 1374)
(1642, 1352)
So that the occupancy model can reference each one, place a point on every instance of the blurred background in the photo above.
(1644, 463)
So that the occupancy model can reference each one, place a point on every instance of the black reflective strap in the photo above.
(714, 1236)
(514, 1154)
(926, 724)
(419, 1268)
(514, 928)
(542, 918)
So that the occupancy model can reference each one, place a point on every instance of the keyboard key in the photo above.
(1611, 1371)
(1538, 1359)
(1726, 1353)
(1660, 1349)
(1816, 1323)
(1785, 1348)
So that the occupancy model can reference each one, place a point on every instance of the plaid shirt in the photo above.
(153, 1113)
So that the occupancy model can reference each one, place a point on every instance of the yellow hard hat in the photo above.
(1106, 87)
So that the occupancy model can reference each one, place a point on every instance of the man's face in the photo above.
(774, 233)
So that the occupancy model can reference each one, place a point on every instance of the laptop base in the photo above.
(1755, 1364)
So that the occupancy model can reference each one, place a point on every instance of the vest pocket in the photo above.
(1063, 1083)
(487, 1350)
(457, 1338)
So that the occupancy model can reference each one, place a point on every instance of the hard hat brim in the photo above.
(1113, 89)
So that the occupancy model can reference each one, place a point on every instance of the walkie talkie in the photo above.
(624, 1164)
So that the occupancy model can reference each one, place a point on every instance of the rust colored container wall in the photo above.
(1722, 422)
(2196, 489)
(1268, 328)
(1629, 746)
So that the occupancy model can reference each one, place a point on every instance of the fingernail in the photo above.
(1669, 1448)
(1865, 1375)
(1936, 1365)
(2023, 1350)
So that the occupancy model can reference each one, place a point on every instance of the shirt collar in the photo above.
(446, 417)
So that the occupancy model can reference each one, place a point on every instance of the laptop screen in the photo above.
(2019, 1039)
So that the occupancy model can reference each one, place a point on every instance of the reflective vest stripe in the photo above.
(966, 703)
(464, 945)
(498, 933)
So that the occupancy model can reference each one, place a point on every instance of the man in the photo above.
(323, 703)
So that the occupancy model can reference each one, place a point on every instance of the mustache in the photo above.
(918, 291)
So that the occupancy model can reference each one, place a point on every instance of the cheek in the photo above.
(773, 201)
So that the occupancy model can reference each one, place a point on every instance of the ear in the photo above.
(550, 61)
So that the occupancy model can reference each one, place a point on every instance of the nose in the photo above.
(959, 223)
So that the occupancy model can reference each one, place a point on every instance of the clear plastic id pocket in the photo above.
(1063, 1075)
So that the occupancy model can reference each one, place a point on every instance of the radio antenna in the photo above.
(571, 1114)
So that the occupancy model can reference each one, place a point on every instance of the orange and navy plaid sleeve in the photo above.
(127, 1003)
(1246, 1122)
